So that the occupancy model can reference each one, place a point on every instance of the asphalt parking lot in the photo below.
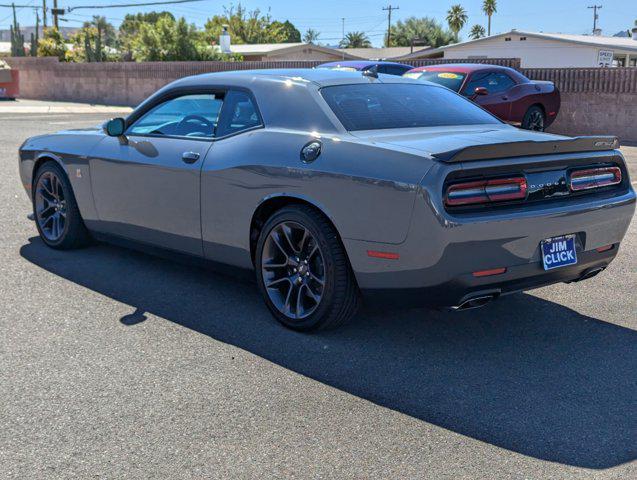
(116, 364)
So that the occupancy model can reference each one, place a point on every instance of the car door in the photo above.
(146, 184)
(497, 84)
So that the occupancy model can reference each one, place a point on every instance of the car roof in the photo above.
(462, 67)
(319, 76)
(361, 64)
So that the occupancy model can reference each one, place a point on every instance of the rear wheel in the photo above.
(303, 271)
(534, 119)
(55, 210)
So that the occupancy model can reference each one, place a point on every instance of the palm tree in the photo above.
(355, 40)
(311, 36)
(477, 31)
(456, 18)
(489, 7)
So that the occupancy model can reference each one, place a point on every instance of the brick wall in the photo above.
(594, 100)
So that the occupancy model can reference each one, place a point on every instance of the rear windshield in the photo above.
(339, 68)
(451, 80)
(375, 106)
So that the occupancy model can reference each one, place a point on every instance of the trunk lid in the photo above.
(481, 142)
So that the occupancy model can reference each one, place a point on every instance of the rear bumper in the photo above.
(434, 265)
(518, 278)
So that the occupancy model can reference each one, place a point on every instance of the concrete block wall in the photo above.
(598, 114)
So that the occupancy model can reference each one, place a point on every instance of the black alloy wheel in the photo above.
(55, 210)
(303, 272)
(534, 119)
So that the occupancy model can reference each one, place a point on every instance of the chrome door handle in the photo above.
(190, 157)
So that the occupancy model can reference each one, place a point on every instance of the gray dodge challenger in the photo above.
(336, 187)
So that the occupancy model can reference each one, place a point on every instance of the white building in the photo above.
(543, 50)
(287, 52)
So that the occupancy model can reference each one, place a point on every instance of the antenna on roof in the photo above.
(371, 72)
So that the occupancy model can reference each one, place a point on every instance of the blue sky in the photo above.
(565, 16)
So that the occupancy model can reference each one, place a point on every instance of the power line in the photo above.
(595, 16)
(389, 9)
(140, 4)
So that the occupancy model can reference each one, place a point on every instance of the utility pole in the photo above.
(43, 13)
(595, 16)
(55, 12)
(343, 36)
(389, 9)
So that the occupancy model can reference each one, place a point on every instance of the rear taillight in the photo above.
(595, 178)
(486, 191)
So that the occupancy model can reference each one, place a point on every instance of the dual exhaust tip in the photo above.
(483, 299)
(475, 302)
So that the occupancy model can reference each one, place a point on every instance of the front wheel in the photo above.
(55, 210)
(534, 119)
(303, 271)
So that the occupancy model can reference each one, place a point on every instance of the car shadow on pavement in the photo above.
(523, 374)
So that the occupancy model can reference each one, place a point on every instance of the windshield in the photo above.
(451, 80)
(372, 106)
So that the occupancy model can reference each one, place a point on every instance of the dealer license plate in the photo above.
(558, 252)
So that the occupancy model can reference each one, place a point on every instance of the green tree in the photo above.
(286, 30)
(477, 31)
(456, 18)
(52, 44)
(129, 29)
(94, 42)
(489, 7)
(108, 32)
(426, 29)
(173, 40)
(355, 40)
(246, 26)
(311, 36)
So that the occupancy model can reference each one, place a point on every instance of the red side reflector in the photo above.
(595, 178)
(488, 273)
(604, 248)
(385, 255)
(486, 191)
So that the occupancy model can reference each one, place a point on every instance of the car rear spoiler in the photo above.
(528, 148)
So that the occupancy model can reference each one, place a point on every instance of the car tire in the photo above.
(298, 248)
(534, 119)
(55, 209)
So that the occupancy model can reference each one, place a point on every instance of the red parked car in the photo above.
(503, 91)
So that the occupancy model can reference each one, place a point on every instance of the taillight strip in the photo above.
(486, 191)
(595, 178)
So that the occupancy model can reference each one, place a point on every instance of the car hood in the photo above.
(436, 140)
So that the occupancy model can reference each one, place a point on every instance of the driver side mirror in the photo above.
(115, 127)
(480, 91)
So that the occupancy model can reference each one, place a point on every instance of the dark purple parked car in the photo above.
(389, 68)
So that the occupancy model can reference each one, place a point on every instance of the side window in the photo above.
(396, 69)
(494, 82)
(501, 83)
(239, 113)
(185, 116)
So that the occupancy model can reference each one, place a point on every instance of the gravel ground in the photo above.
(116, 364)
